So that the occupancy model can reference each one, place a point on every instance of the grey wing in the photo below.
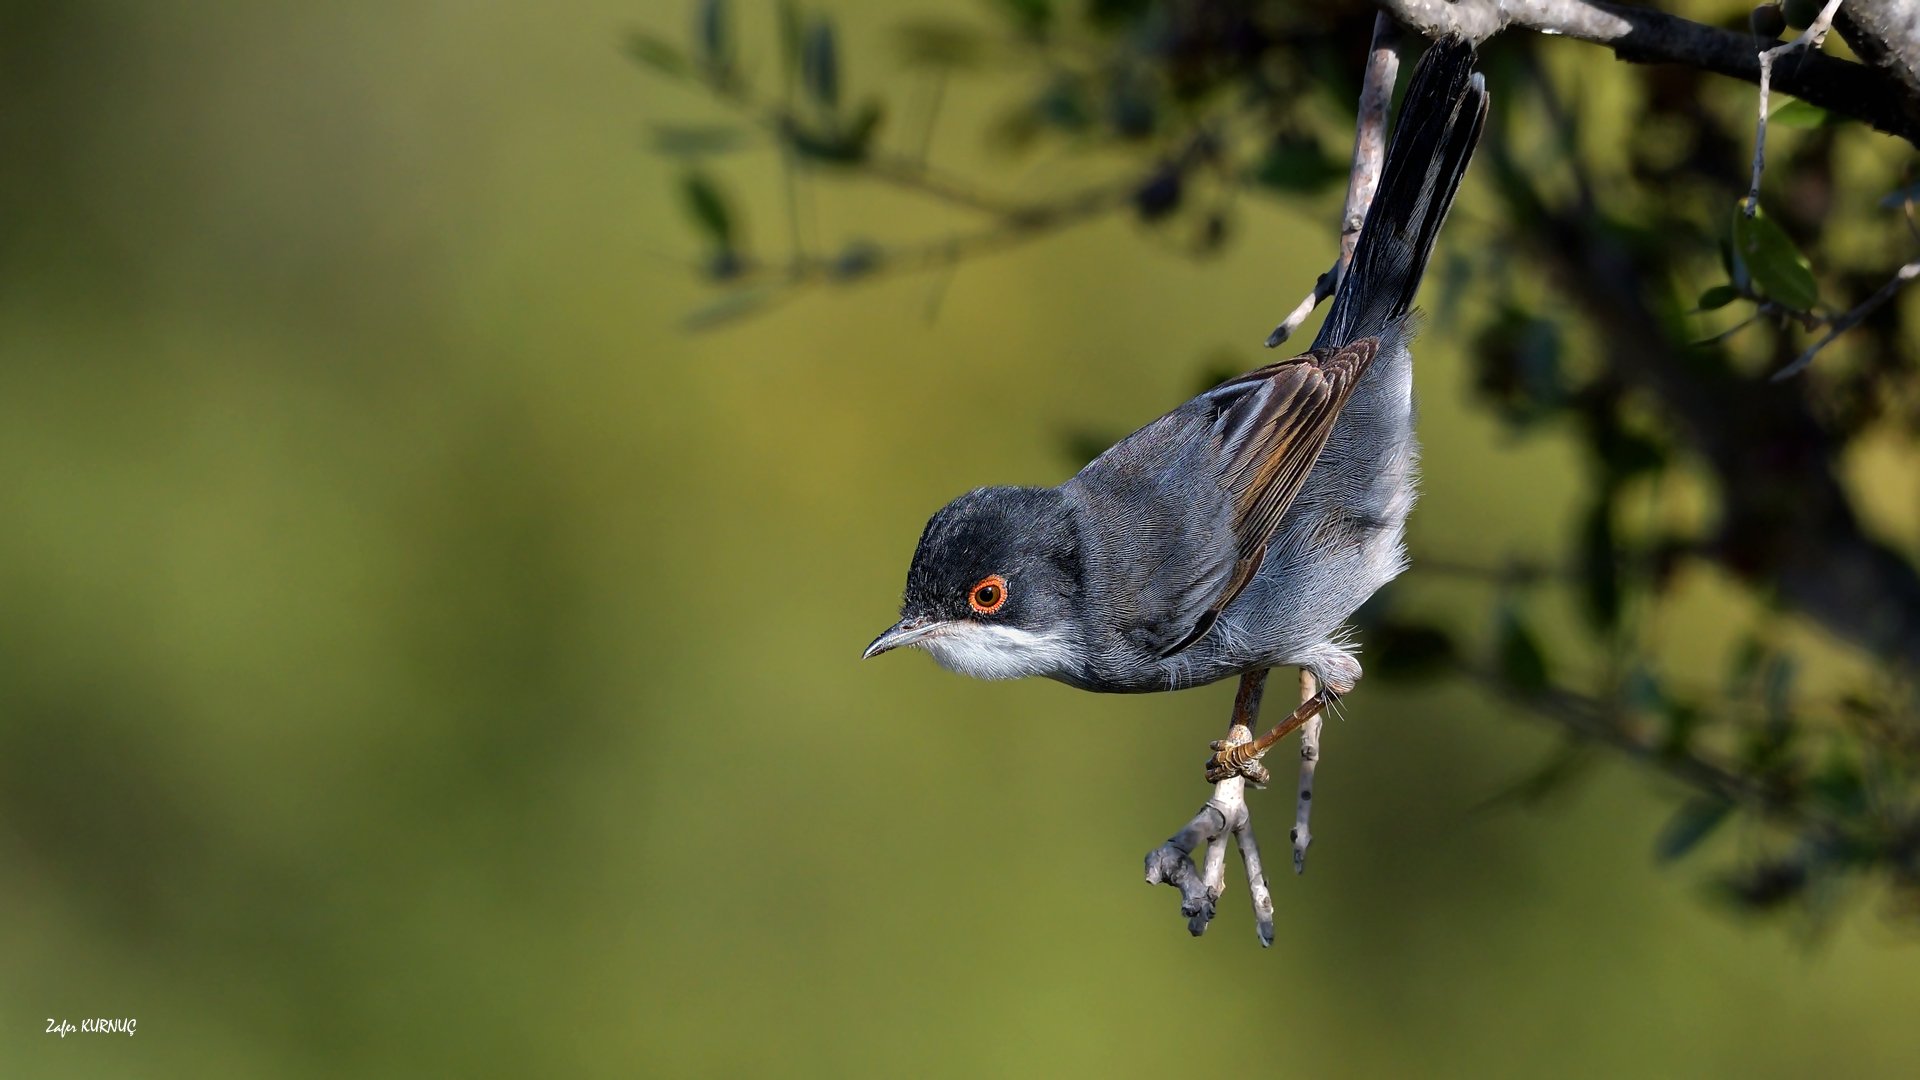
(1192, 500)
(1161, 544)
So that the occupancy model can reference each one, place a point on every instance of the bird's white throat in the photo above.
(997, 652)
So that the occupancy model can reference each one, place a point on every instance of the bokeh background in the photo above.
(421, 655)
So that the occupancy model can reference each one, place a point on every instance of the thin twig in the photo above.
(1851, 319)
(1309, 758)
(933, 115)
(1369, 153)
(866, 263)
(1813, 36)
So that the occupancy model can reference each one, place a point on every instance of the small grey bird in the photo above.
(1241, 530)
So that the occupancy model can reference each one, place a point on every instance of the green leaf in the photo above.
(697, 140)
(1600, 565)
(1522, 665)
(713, 29)
(790, 36)
(1693, 822)
(1776, 267)
(843, 146)
(1408, 651)
(1718, 297)
(1116, 13)
(1296, 163)
(1798, 114)
(1031, 16)
(939, 43)
(656, 53)
(708, 208)
(820, 64)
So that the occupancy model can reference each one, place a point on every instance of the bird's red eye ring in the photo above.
(990, 595)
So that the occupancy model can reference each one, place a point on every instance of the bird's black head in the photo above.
(992, 587)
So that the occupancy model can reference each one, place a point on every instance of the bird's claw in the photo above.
(1235, 759)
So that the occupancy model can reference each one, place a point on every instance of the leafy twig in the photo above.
(1851, 319)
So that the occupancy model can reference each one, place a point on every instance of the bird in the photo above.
(1242, 530)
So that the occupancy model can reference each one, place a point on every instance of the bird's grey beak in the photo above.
(904, 632)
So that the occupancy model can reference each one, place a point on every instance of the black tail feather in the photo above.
(1440, 122)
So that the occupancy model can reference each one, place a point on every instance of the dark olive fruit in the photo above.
(1801, 13)
(1767, 21)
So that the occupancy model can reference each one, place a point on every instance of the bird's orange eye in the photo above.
(987, 596)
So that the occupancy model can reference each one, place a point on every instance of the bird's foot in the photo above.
(1223, 815)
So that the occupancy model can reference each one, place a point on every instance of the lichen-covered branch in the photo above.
(1886, 34)
(1645, 36)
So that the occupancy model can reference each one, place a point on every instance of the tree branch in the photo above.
(1369, 155)
(1886, 34)
(1644, 36)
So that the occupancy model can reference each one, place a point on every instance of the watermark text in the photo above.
(90, 1026)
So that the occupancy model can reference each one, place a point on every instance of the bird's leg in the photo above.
(1243, 759)
(1309, 757)
(1223, 815)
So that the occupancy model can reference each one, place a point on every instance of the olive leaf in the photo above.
(713, 29)
(1798, 114)
(820, 65)
(1771, 261)
(656, 53)
(1031, 16)
(1718, 297)
(1297, 163)
(940, 43)
(708, 208)
(697, 140)
(1522, 665)
(1693, 822)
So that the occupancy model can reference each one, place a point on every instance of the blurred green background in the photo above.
(421, 656)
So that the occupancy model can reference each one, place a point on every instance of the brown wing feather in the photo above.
(1271, 461)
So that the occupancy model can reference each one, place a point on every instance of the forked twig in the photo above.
(1813, 36)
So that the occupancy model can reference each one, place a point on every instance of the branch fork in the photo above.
(1811, 38)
